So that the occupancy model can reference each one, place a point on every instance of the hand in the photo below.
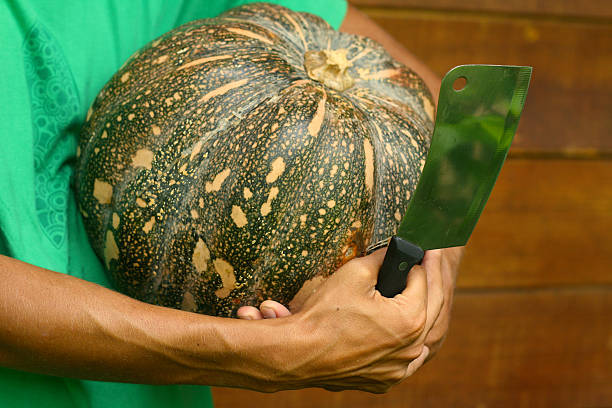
(440, 267)
(344, 310)
(268, 309)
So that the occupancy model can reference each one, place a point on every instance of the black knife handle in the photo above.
(400, 258)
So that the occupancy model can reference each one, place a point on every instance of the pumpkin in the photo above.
(235, 159)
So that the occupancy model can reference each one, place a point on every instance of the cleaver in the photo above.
(473, 131)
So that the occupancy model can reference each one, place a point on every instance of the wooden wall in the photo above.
(532, 320)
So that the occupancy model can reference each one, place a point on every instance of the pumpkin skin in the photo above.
(236, 158)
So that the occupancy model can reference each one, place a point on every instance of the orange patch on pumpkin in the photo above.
(223, 90)
(217, 181)
(200, 61)
(228, 278)
(238, 216)
(200, 257)
(103, 191)
(149, 225)
(250, 34)
(143, 158)
(317, 120)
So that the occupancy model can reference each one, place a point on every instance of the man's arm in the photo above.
(56, 324)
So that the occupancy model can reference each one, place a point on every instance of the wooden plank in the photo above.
(568, 106)
(598, 9)
(549, 348)
(548, 222)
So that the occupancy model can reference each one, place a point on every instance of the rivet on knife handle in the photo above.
(401, 257)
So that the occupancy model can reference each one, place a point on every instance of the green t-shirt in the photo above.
(56, 56)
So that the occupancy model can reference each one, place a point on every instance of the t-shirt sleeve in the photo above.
(332, 11)
(164, 16)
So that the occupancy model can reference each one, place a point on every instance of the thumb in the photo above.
(365, 268)
(375, 259)
(372, 262)
(359, 275)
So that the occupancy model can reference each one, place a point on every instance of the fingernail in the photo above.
(268, 313)
(245, 314)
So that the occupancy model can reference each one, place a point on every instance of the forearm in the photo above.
(59, 325)
(358, 23)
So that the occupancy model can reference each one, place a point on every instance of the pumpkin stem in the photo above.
(329, 67)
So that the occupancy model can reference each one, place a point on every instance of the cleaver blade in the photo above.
(473, 131)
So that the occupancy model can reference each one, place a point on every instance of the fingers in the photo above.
(249, 313)
(268, 309)
(271, 309)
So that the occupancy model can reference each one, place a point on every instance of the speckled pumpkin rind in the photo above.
(214, 172)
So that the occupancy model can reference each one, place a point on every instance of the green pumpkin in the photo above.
(237, 158)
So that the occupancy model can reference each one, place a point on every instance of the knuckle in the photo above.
(381, 388)
(361, 272)
(356, 269)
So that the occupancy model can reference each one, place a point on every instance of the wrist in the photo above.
(258, 355)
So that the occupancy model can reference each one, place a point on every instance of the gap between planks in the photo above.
(488, 15)
(558, 289)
